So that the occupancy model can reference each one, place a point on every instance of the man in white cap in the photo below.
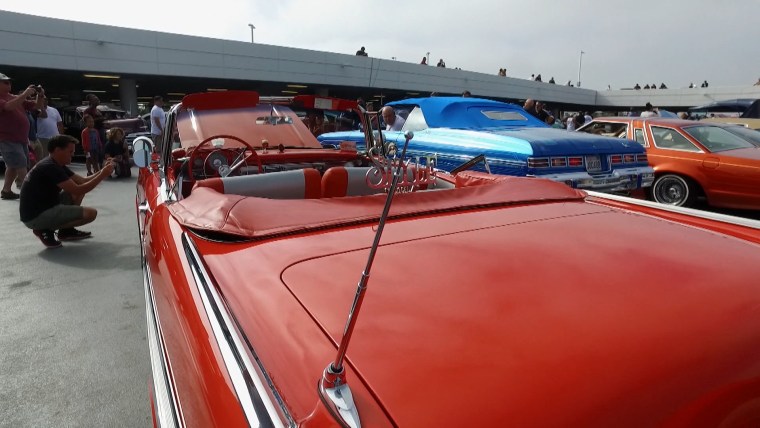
(14, 131)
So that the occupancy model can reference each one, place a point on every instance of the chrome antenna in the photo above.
(333, 385)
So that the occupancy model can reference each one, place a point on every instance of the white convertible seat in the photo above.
(294, 184)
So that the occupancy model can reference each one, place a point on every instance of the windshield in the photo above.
(273, 124)
(717, 139)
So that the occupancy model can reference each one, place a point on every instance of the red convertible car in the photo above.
(289, 285)
(693, 159)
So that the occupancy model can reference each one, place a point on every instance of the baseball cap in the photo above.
(4, 77)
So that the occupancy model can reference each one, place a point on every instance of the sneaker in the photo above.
(48, 238)
(9, 195)
(73, 234)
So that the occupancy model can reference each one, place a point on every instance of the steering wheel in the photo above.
(254, 156)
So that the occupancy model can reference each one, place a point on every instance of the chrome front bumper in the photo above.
(619, 180)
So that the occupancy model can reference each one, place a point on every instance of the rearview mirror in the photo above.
(141, 158)
(142, 143)
(143, 151)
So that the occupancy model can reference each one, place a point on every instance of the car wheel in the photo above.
(672, 189)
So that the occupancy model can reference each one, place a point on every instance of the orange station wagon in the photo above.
(692, 160)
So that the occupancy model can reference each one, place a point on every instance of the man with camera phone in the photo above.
(14, 131)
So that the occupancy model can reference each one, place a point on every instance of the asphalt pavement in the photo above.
(73, 350)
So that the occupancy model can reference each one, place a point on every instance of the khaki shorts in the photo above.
(55, 217)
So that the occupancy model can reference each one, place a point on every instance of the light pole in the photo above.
(428, 58)
(580, 63)
(252, 28)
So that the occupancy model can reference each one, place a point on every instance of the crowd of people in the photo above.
(37, 152)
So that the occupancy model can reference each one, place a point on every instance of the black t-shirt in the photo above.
(40, 190)
(114, 149)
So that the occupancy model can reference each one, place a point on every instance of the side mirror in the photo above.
(141, 158)
(143, 151)
(142, 143)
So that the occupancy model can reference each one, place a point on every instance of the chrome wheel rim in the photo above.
(671, 190)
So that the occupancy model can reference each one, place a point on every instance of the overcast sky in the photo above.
(625, 42)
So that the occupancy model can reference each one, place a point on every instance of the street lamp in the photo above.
(428, 58)
(252, 28)
(580, 63)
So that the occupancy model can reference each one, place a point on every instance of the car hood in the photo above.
(605, 317)
(752, 153)
(529, 141)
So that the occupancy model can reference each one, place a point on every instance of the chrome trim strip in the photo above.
(450, 156)
(168, 410)
(251, 392)
(739, 221)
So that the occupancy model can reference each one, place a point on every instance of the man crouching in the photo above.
(51, 196)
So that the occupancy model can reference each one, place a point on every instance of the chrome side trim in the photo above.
(739, 221)
(252, 394)
(168, 410)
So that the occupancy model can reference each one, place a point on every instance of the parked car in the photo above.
(513, 143)
(73, 123)
(693, 159)
(482, 300)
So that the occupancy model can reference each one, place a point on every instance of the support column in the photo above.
(128, 96)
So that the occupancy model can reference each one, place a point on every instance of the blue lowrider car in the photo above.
(513, 142)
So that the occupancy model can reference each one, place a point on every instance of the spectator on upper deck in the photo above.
(552, 80)
(361, 52)
(757, 83)
(646, 86)
(424, 61)
(466, 94)
(637, 87)
(393, 122)
(538, 78)
(662, 86)
(441, 63)
(705, 84)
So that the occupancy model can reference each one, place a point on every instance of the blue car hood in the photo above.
(527, 141)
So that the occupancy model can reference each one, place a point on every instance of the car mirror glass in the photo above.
(142, 143)
(141, 158)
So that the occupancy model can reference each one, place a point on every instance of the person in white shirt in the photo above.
(49, 124)
(649, 112)
(157, 120)
(393, 122)
(570, 123)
